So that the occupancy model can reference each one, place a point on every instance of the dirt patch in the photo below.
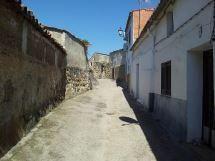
(102, 105)
(110, 113)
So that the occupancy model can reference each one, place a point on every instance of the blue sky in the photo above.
(94, 20)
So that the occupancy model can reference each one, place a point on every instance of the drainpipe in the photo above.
(153, 55)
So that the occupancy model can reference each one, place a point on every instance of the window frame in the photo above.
(170, 23)
(166, 78)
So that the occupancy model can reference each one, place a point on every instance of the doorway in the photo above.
(208, 98)
(137, 81)
(113, 73)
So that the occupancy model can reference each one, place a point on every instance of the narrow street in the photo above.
(99, 125)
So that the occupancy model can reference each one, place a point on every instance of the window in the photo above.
(166, 78)
(170, 23)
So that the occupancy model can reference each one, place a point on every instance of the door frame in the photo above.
(113, 73)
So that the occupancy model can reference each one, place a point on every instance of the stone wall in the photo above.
(76, 50)
(77, 72)
(32, 73)
(78, 81)
(99, 57)
(101, 70)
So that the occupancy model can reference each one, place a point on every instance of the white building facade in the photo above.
(129, 37)
(172, 68)
(136, 21)
(118, 61)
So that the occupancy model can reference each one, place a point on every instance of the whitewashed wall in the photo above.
(177, 48)
(144, 57)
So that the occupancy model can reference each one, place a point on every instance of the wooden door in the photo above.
(208, 97)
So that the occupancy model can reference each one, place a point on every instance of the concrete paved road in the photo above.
(97, 126)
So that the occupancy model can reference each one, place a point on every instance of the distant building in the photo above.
(118, 61)
(100, 57)
(136, 22)
(100, 66)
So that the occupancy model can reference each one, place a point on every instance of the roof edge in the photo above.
(157, 11)
(116, 51)
(29, 16)
(69, 33)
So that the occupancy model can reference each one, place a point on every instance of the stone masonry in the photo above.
(101, 70)
(77, 72)
(78, 81)
(32, 73)
(100, 66)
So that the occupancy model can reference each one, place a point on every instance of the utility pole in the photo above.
(140, 8)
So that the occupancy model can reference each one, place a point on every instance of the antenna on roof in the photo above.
(140, 7)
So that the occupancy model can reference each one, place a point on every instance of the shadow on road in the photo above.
(128, 120)
(163, 147)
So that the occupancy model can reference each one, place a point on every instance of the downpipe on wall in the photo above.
(153, 58)
(152, 90)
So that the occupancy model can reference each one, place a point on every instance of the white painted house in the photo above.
(137, 19)
(172, 68)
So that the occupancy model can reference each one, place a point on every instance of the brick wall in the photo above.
(140, 19)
